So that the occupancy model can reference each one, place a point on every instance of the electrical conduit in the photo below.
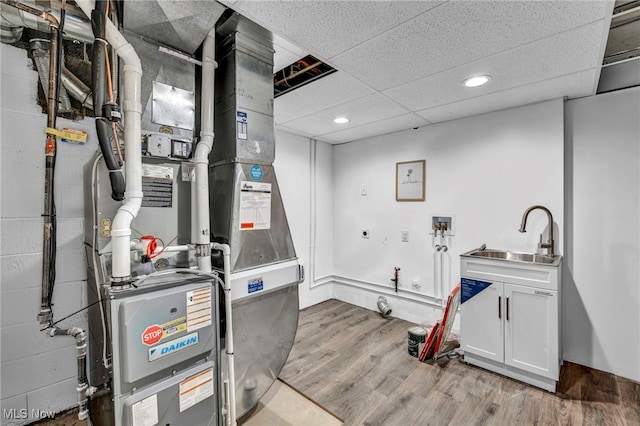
(121, 226)
(231, 409)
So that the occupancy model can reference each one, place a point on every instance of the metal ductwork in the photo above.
(182, 25)
(245, 149)
(40, 51)
(247, 211)
(77, 25)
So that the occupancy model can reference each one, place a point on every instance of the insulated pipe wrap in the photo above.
(121, 260)
(103, 126)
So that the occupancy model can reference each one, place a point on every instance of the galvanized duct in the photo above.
(182, 25)
(247, 211)
(76, 88)
(40, 52)
(161, 75)
(77, 26)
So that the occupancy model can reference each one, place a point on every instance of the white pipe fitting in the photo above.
(121, 228)
(201, 155)
(226, 253)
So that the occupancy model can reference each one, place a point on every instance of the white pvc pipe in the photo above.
(226, 250)
(203, 237)
(121, 226)
(314, 281)
(201, 155)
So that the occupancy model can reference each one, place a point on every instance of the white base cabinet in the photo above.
(510, 319)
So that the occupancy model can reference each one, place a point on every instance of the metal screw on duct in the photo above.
(383, 306)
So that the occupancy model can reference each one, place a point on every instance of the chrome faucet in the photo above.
(549, 245)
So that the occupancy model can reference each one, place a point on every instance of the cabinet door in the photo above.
(531, 330)
(481, 313)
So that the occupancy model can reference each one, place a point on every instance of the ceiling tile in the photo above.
(285, 53)
(293, 131)
(570, 85)
(551, 57)
(361, 111)
(327, 28)
(418, 53)
(329, 91)
(458, 32)
(382, 127)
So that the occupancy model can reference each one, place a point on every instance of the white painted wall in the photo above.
(37, 371)
(294, 169)
(601, 277)
(486, 170)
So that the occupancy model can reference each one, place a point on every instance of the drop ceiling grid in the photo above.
(326, 28)
(361, 111)
(294, 131)
(456, 33)
(545, 59)
(330, 91)
(395, 50)
(381, 127)
(286, 53)
(573, 85)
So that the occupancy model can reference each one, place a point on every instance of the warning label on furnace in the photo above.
(198, 308)
(145, 412)
(157, 186)
(255, 205)
(195, 389)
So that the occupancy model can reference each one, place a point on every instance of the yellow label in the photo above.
(175, 326)
(68, 135)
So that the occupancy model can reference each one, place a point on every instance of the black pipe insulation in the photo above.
(49, 216)
(103, 125)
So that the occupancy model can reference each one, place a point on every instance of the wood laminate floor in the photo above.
(355, 364)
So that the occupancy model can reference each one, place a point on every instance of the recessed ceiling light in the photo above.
(477, 81)
(341, 120)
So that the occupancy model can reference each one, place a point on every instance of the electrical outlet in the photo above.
(405, 236)
(365, 233)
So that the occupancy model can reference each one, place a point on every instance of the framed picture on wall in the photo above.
(410, 177)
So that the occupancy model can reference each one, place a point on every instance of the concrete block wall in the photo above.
(38, 373)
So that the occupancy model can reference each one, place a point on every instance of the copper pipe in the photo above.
(116, 142)
(302, 71)
(53, 21)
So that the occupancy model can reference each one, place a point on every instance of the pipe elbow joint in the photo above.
(130, 58)
(224, 248)
(126, 213)
(203, 149)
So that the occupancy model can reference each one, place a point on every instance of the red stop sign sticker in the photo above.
(152, 335)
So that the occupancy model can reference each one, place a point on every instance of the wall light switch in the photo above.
(405, 236)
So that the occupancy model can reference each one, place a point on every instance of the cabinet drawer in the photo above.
(542, 277)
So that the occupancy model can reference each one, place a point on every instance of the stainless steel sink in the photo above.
(512, 256)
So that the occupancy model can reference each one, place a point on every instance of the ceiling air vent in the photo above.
(301, 72)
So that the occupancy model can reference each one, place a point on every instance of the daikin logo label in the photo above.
(172, 346)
